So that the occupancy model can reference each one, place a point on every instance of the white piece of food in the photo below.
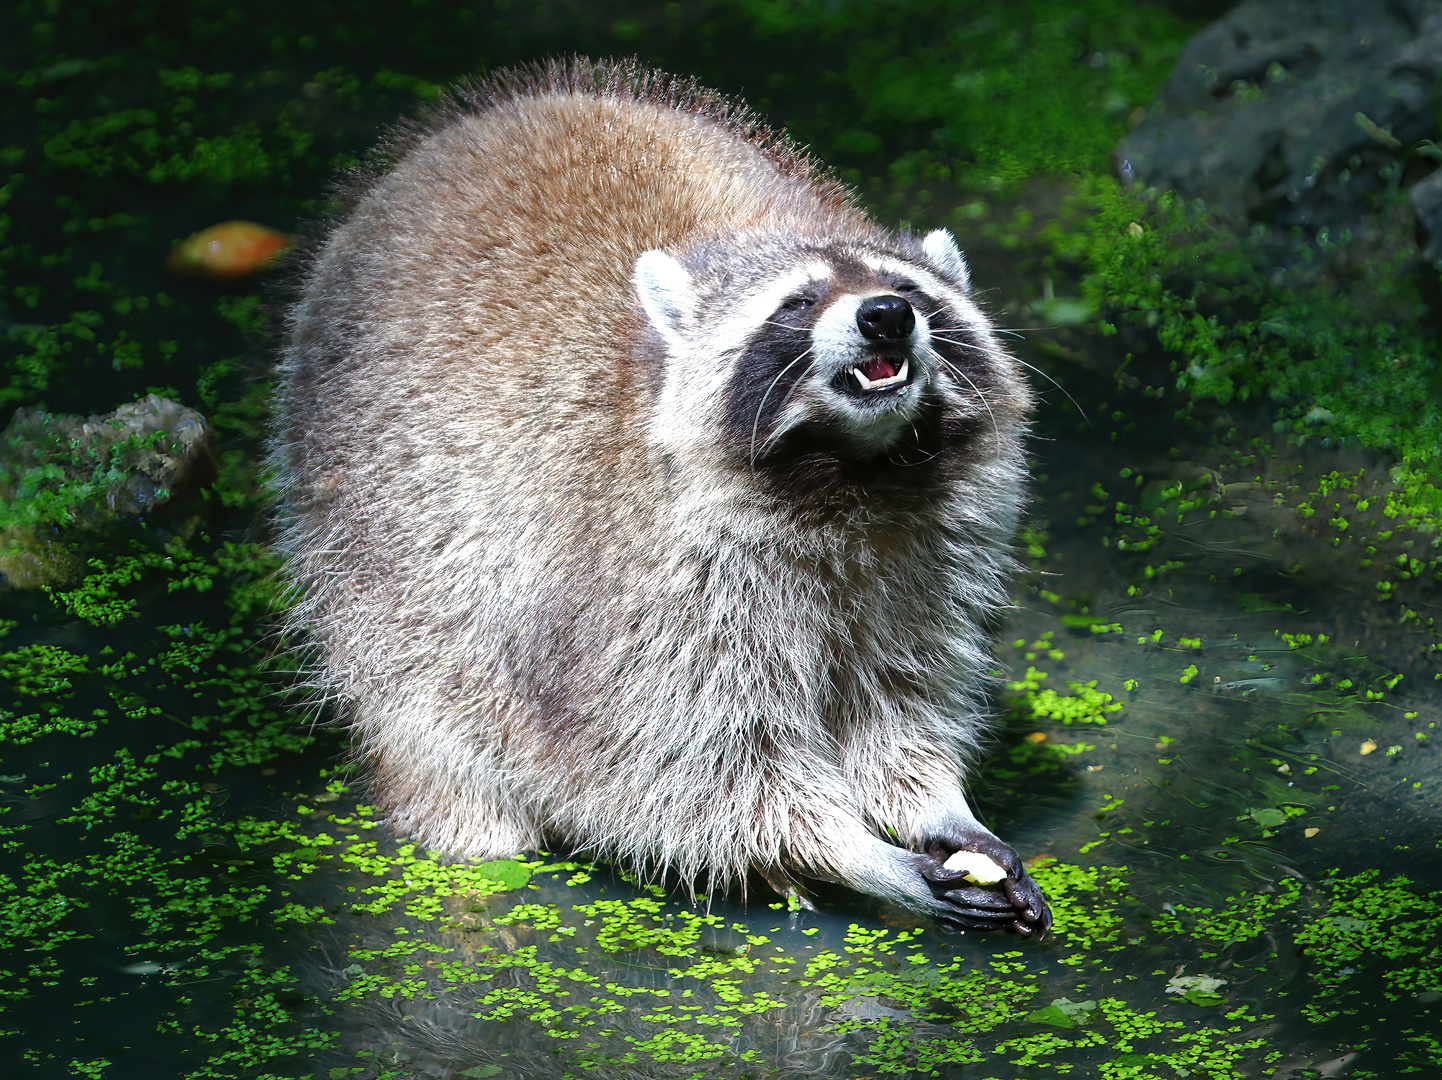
(976, 867)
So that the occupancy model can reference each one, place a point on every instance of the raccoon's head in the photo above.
(780, 349)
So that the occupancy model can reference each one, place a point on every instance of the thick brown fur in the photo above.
(592, 536)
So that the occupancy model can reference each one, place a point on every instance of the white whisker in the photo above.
(1030, 367)
(955, 370)
(775, 436)
(916, 437)
(756, 424)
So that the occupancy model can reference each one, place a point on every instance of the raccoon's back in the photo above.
(462, 406)
(509, 232)
(486, 277)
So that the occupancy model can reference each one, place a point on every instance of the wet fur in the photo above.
(566, 569)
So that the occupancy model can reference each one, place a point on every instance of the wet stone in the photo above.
(1426, 200)
(62, 471)
(1292, 111)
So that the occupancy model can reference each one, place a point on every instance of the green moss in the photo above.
(1085, 705)
(1350, 361)
(989, 96)
(1390, 930)
(62, 484)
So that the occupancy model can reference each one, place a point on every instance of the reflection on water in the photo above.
(1265, 645)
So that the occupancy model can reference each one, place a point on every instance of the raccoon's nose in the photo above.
(885, 318)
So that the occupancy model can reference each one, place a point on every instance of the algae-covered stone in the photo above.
(59, 471)
(29, 560)
(1426, 200)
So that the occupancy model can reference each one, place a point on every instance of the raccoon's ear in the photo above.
(666, 292)
(940, 247)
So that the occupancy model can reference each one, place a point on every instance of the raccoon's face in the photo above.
(785, 349)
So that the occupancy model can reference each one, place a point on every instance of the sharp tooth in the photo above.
(901, 375)
(862, 379)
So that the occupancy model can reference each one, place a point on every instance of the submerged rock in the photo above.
(1289, 110)
(1426, 200)
(59, 470)
(133, 459)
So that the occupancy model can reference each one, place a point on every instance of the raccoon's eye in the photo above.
(798, 303)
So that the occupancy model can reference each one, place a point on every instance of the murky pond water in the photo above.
(1207, 749)
(1217, 740)
(1205, 754)
(1217, 683)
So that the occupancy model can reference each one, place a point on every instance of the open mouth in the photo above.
(879, 373)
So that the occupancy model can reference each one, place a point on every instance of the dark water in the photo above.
(1206, 829)
(1231, 745)
(1232, 742)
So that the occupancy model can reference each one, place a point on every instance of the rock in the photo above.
(1288, 110)
(134, 458)
(61, 471)
(29, 560)
(1426, 200)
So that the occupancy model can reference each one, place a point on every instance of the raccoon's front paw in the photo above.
(1014, 903)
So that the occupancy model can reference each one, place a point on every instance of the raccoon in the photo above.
(640, 493)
